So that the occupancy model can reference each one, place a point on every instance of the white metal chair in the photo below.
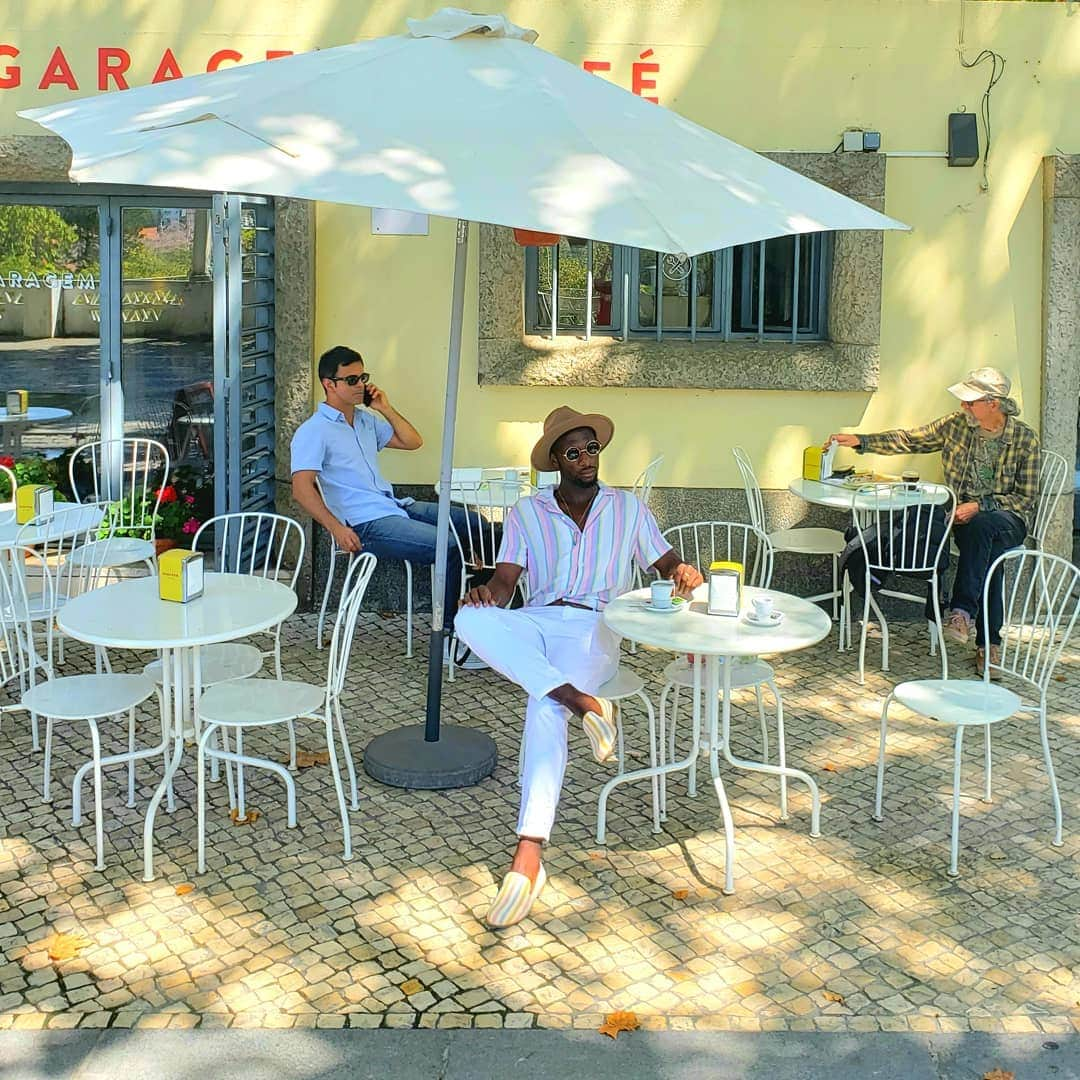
(1041, 608)
(643, 485)
(1054, 476)
(701, 543)
(129, 475)
(254, 703)
(806, 540)
(75, 545)
(335, 554)
(486, 506)
(75, 698)
(895, 525)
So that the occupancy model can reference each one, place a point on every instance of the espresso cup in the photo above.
(662, 592)
(763, 607)
(911, 479)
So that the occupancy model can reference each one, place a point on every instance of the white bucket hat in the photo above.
(984, 382)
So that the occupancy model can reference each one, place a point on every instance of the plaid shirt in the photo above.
(1016, 480)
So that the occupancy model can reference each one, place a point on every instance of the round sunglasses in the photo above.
(592, 448)
(350, 380)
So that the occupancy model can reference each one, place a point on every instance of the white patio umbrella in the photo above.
(462, 117)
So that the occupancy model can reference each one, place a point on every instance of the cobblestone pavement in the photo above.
(860, 930)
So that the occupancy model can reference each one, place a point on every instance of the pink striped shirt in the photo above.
(592, 567)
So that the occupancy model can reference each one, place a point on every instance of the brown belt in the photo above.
(570, 603)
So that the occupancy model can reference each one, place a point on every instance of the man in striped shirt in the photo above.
(577, 544)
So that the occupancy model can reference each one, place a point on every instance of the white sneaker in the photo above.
(465, 659)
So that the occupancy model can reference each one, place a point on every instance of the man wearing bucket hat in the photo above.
(991, 460)
(576, 543)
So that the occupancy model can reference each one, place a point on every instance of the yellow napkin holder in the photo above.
(817, 464)
(18, 401)
(32, 501)
(725, 588)
(180, 575)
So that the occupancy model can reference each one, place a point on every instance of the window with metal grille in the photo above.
(772, 290)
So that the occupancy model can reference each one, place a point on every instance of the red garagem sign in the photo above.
(112, 67)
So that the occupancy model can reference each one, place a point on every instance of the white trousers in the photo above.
(540, 649)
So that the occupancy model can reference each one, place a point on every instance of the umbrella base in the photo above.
(401, 758)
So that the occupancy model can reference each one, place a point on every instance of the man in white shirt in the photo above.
(339, 446)
(577, 544)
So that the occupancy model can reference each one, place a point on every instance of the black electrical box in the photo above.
(963, 139)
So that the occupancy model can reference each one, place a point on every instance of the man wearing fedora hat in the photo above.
(991, 461)
(577, 544)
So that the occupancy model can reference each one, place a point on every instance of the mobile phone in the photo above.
(367, 394)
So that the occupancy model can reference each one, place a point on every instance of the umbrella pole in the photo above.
(432, 755)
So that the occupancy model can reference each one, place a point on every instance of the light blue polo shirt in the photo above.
(345, 459)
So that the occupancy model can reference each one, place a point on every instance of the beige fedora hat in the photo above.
(561, 420)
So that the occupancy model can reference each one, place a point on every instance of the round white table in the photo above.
(131, 615)
(715, 641)
(67, 525)
(12, 425)
(841, 497)
(489, 495)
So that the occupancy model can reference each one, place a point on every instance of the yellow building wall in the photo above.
(963, 289)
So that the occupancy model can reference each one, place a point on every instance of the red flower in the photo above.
(168, 494)
(7, 462)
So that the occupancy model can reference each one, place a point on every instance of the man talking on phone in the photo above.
(336, 450)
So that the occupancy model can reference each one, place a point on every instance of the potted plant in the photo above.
(31, 470)
(186, 502)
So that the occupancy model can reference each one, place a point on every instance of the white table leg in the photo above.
(718, 704)
(174, 690)
(757, 766)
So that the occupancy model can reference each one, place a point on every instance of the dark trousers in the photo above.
(412, 539)
(989, 534)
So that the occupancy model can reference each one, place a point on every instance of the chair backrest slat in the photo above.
(255, 544)
(1041, 605)
(128, 473)
(705, 542)
(895, 525)
(755, 504)
(1054, 475)
(486, 506)
(643, 485)
(18, 658)
(352, 596)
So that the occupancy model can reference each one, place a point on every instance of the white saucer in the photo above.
(678, 603)
(775, 619)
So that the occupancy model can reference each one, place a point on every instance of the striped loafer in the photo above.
(602, 730)
(515, 898)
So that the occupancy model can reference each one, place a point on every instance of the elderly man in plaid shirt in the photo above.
(991, 460)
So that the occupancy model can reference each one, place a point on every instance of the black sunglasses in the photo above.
(350, 380)
(592, 448)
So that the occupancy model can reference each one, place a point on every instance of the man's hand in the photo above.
(842, 440)
(346, 539)
(687, 578)
(482, 596)
(965, 512)
(378, 399)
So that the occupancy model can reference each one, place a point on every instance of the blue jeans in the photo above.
(988, 535)
(412, 539)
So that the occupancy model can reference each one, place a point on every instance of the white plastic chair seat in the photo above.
(219, 663)
(79, 697)
(958, 701)
(749, 671)
(808, 541)
(122, 551)
(622, 684)
(253, 702)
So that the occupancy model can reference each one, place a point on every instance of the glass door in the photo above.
(166, 346)
(53, 342)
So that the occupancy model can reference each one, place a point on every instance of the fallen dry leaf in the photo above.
(413, 986)
(183, 890)
(998, 1074)
(305, 759)
(678, 975)
(65, 946)
(680, 894)
(829, 767)
(833, 996)
(250, 817)
(618, 1021)
(596, 854)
